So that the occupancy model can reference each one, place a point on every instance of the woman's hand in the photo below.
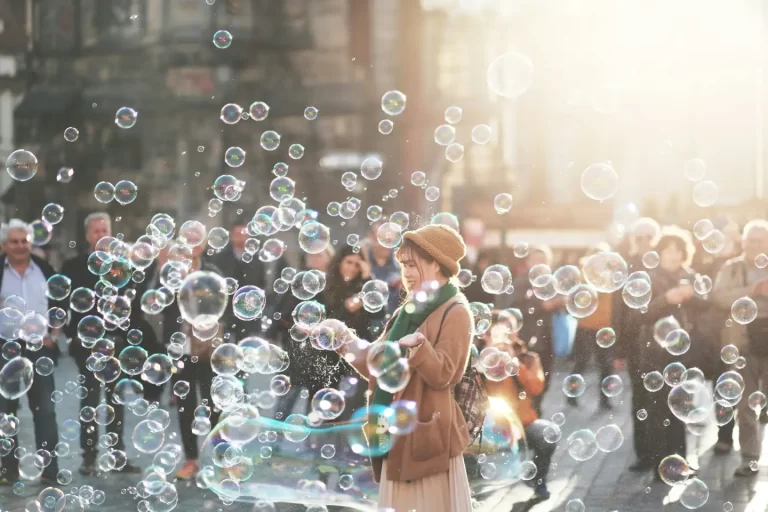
(353, 304)
(412, 340)
(679, 294)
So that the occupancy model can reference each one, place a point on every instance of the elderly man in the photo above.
(742, 277)
(25, 276)
(97, 226)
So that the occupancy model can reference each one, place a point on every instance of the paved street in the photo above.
(602, 483)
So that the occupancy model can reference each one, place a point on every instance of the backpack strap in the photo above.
(445, 315)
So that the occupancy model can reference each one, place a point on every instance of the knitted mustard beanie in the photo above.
(442, 243)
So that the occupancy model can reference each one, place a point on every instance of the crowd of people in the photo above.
(431, 253)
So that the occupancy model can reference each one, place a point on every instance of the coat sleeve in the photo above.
(442, 363)
(728, 287)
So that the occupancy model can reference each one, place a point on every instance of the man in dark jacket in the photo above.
(97, 226)
(26, 276)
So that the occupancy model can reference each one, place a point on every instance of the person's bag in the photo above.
(469, 393)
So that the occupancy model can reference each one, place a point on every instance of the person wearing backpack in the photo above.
(742, 277)
(518, 392)
(423, 469)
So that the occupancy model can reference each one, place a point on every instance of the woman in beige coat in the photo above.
(424, 469)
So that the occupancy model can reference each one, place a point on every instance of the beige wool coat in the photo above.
(436, 366)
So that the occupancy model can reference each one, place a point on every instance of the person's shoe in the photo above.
(605, 405)
(745, 470)
(188, 470)
(130, 468)
(723, 448)
(88, 467)
(641, 465)
(572, 401)
(540, 493)
(47, 482)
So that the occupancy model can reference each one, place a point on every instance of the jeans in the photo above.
(197, 374)
(542, 450)
(44, 420)
(89, 431)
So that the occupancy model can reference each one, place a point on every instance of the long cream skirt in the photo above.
(447, 492)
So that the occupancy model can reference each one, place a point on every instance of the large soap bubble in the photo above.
(202, 298)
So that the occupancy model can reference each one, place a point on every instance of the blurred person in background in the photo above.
(97, 226)
(26, 276)
(475, 292)
(585, 346)
(254, 273)
(384, 267)
(661, 434)
(192, 383)
(519, 392)
(738, 278)
(537, 326)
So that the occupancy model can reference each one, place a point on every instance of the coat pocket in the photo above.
(426, 440)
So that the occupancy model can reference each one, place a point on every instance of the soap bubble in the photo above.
(202, 298)
(744, 310)
(674, 373)
(126, 117)
(371, 168)
(582, 445)
(606, 271)
(729, 354)
(21, 165)
(314, 237)
(574, 386)
(599, 181)
(703, 284)
(653, 381)
(445, 134)
(609, 438)
(606, 337)
(510, 75)
(582, 301)
(481, 134)
(612, 386)
(695, 169)
(705, 193)
(16, 377)
(222, 39)
(695, 494)
(393, 103)
(502, 203)
(674, 470)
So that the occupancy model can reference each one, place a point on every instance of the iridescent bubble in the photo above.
(314, 237)
(702, 228)
(21, 165)
(653, 381)
(730, 385)
(64, 175)
(606, 337)
(756, 401)
(606, 271)
(612, 386)
(714, 242)
(328, 403)
(609, 438)
(582, 445)
(574, 386)
(270, 140)
(58, 287)
(126, 117)
(125, 192)
(574, 506)
(705, 193)
(432, 193)
(393, 103)
(222, 39)
(502, 203)
(481, 134)
(104, 192)
(744, 310)
(510, 75)
(674, 374)
(674, 470)
(389, 235)
(296, 151)
(418, 178)
(234, 157)
(310, 113)
(202, 298)
(386, 126)
(651, 259)
(729, 354)
(695, 494)
(695, 169)
(582, 301)
(454, 152)
(230, 113)
(71, 134)
(53, 213)
(148, 436)
(16, 377)
(258, 110)
(702, 284)
(761, 261)
(371, 168)
(445, 134)
(599, 181)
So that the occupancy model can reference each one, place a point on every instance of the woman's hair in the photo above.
(678, 237)
(409, 248)
(336, 286)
